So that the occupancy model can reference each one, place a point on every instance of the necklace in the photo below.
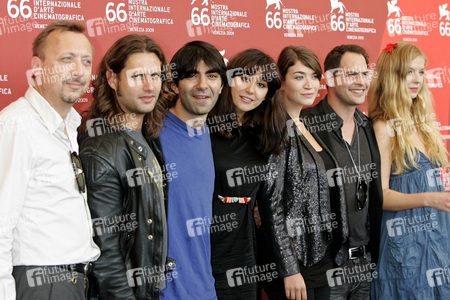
(359, 154)
(361, 184)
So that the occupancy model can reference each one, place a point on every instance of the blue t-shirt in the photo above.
(191, 167)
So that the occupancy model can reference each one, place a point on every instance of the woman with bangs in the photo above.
(299, 201)
(246, 125)
(414, 248)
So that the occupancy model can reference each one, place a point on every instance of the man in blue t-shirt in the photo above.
(198, 72)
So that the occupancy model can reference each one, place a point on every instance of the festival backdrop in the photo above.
(232, 26)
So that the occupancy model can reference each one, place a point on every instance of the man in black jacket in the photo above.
(349, 134)
(125, 171)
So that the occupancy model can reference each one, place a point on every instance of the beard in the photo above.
(72, 99)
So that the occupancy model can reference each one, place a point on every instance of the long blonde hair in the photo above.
(390, 101)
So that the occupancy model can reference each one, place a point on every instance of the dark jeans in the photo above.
(49, 283)
(356, 285)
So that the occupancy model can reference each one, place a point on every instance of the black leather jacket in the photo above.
(132, 230)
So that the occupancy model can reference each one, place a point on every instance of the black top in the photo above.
(315, 276)
(239, 170)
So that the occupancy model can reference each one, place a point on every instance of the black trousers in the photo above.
(49, 283)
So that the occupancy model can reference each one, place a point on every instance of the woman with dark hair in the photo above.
(305, 217)
(246, 125)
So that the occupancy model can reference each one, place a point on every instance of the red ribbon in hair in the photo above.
(389, 47)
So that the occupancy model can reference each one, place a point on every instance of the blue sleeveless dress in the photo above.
(415, 243)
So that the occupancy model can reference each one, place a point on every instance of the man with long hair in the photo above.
(198, 76)
(125, 170)
(349, 134)
(46, 241)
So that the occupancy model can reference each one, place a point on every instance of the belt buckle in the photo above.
(357, 250)
(87, 268)
(350, 252)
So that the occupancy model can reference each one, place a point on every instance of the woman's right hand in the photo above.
(295, 287)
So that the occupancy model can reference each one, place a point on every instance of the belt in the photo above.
(80, 268)
(357, 252)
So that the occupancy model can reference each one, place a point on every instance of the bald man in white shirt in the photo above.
(46, 241)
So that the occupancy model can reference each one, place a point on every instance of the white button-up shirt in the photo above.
(44, 219)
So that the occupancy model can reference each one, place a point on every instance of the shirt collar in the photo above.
(49, 115)
(360, 118)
